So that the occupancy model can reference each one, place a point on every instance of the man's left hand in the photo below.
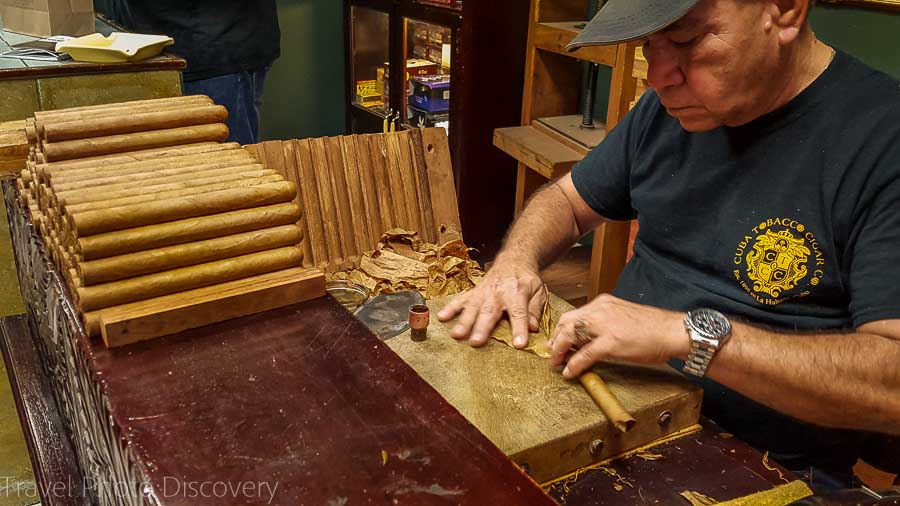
(615, 329)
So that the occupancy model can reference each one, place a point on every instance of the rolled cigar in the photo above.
(63, 116)
(84, 188)
(66, 150)
(150, 165)
(136, 156)
(140, 263)
(190, 206)
(125, 105)
(194, 169)
(73, 278)
(147, 197)
(96, 194)
(184, 231)
(131, 123)
(26, 176)
(30, 131)
(601, 394)
(115, 293)
(611, 407)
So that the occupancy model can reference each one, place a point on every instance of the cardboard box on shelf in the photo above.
(43, 18)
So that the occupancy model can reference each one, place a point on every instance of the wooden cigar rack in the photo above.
(156, 224)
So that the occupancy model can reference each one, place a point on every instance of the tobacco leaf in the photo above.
(401, 261)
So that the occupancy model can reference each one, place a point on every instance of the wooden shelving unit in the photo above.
(486, 74)
(549, 141)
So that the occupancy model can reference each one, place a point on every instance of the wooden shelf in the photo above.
(542, 153)
(568, 277)
(568, 130)
(554, 37)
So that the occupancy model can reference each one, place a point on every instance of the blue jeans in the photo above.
(241, 93)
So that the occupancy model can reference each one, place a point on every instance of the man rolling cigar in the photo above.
(764, 171)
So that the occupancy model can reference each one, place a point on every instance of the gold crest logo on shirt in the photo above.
(779, 260)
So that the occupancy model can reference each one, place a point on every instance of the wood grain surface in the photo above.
(531, 413)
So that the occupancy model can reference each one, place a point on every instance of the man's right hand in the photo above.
(511, 287)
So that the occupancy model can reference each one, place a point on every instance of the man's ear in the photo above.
(789, 18)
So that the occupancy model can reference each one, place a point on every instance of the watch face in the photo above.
(710, 323)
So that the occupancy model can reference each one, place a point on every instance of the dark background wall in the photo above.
(871, 35)
(304, 91)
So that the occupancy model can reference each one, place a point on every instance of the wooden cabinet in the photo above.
(461, 67)
(549, 140)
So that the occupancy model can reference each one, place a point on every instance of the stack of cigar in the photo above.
(141, 200)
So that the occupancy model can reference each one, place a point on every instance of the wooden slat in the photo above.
(334, 251)
(408, 180)
(307, 188)
(440, 179)
(401, 203)
(354, 193)
(275, 157)
(195, 308)
(370, 190)
(378, 152)
(342, 201)
(261, 153)
(292, 175)
(542, 153)
(429, 230)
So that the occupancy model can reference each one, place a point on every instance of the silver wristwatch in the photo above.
(709, 330)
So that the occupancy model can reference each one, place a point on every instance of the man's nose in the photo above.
(663, 68)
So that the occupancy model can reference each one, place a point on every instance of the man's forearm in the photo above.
(544, 230)
(836, 380)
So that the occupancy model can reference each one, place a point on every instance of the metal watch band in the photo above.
(708, 330)
(699, 357)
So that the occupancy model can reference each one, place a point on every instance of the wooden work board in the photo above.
(543, 422)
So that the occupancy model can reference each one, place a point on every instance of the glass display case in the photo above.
(370, 56)
(428, 49)
(456, 64)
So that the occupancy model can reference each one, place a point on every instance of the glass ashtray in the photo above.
(349, 294)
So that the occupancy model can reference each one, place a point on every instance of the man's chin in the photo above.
(698, 125)
(693, 119)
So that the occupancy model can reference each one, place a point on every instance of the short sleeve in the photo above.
(603, 177)
(874, 278)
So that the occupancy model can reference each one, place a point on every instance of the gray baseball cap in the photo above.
(627, 20)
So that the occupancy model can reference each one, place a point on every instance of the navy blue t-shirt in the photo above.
(790, 221)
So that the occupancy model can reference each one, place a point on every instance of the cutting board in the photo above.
(546, 424)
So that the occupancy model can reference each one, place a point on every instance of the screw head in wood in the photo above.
(596, 446)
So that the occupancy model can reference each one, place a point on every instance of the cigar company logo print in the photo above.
(779, 259)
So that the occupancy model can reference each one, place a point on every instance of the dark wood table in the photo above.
(307, 395)
(304, 399)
